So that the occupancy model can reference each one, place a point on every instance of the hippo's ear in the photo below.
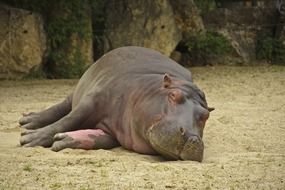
(166, 80)
(211, 109)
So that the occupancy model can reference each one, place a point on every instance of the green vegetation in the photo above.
(27, 168)
(270, 49)
(33, 5)
(208, 45)
(68, 29)
(55, 186)
(98, 17)
(36, 74)
(205, 5)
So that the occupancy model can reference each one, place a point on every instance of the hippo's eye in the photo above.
(176, 96)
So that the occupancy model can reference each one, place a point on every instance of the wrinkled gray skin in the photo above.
(134, 97)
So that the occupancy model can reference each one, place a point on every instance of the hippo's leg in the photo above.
(87, 139)
(46, 117)
(84, 112)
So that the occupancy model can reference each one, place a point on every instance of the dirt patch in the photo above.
(244, 140)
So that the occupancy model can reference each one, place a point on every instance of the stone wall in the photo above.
(159, 24)
(242, 26)
(22, 42)
(187, 17)
(145, 23)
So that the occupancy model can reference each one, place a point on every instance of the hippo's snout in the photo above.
(176, 143)
(193, 149)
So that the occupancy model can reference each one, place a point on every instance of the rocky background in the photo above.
(59, 39)
(22, 42)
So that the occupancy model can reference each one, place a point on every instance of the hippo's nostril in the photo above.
(194, 139)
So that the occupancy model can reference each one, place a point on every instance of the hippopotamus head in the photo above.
(177, 131)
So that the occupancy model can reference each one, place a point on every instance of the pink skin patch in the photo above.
(86, 138)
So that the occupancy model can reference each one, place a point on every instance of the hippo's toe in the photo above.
(25, 119)
(31, 121)
(39, 137)
(63, 141)
(26, 137)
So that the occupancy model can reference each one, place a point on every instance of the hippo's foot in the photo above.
(84, 139)
(32, 121)
(46, 117)
(39, 137)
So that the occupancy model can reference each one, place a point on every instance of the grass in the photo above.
(27, 168)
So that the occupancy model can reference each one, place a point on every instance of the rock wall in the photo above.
(242, 26)
(144, 23)
(22, 42)
(187, 17)
(159, 24)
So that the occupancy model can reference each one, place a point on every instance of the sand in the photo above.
(244, 140)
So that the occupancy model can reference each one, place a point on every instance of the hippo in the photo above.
(132, 97)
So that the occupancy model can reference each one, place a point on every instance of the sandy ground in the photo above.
(244, 140)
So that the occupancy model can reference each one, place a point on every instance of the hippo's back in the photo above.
(123, 65)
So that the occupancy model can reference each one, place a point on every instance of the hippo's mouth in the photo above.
(158, 148)
(189, 149)
(167, 154)
(172, 144)
(193, 149)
